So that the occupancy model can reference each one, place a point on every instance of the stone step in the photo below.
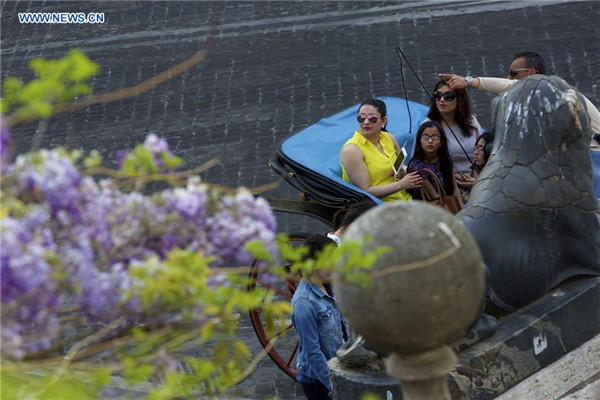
(574, 376)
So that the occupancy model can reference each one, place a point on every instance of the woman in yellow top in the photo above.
(368, 157)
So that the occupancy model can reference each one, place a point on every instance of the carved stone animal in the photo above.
(533, 211)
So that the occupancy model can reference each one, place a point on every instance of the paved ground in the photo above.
(277, 67)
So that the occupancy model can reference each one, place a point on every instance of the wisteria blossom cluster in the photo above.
(153, 156)
(67, 237)
(4, 145)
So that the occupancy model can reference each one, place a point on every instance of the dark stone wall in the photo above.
(278, 67)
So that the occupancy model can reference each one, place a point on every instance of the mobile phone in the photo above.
(399, 163)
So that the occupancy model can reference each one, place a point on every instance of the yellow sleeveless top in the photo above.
(379, 166)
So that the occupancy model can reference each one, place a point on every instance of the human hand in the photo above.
(411, 181)
(466, 178)
(466, 182)
(401, 174)
(454, 81)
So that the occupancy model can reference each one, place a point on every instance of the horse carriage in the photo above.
(310, 162)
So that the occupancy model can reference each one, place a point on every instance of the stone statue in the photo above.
(533, 211)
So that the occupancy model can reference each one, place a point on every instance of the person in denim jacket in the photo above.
(320, 326)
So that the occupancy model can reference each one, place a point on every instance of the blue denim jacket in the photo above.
(319, 325)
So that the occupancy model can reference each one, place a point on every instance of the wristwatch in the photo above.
(469, 80)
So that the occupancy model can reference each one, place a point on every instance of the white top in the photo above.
(335, 238)
(461, 162)
(498, 85)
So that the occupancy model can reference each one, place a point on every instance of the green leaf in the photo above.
(57, 81)
(18, 383)
(170, 161)
(135, 373)
(259, 251)
(101, 377)
(82, 68)
(94, 159)
(12, 86)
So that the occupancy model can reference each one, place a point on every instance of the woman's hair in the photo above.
(378, 104)
(489, 144)
(462, 114)
(443, 153)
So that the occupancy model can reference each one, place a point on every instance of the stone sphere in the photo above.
(426, 291)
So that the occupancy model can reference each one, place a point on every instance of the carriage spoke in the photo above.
(284, 289)
(289, 361)
(287, 328)
(279, 291)
(292, 287)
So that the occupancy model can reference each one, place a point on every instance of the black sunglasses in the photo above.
(514, 72)
(371, 117)
(448, 96)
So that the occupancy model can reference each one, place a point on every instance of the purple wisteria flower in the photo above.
(120, 157)
(159, 150)
(4, 145)
(78, 238)
(156, 144)
(52, 175)
(239, 220)
(30, 301)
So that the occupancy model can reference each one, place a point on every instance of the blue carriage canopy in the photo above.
(313, 154)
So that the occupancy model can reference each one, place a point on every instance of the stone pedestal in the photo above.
(525, 342)
(423, 375)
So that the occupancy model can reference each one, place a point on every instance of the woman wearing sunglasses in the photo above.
(367, 158)
(431, 152)
(452, 110)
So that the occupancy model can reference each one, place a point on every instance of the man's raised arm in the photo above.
(492, 85)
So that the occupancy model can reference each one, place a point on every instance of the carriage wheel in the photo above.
(281, 348)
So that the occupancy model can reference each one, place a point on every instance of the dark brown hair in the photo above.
(378, 104)
(443, 154)
(532, 60)
(462, 114)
